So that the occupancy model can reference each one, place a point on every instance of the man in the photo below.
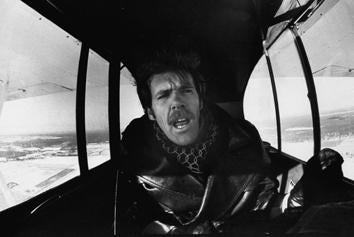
(200, 165)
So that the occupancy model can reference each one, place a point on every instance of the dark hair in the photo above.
(176, 62)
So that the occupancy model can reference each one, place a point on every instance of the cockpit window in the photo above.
(259, 105)
(39, 66)
(330, 49)
(130, 107)
(96, 109)
(294, 105)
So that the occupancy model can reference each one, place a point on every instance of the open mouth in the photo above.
(181, 123)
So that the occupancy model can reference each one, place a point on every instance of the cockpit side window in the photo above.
(330, 50)
(130, 107)
(96, 110)
(259, 105)
(39, 62)
(294, 105)
(296, 127)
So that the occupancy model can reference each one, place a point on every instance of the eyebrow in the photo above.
(163, 91)
(186, 86)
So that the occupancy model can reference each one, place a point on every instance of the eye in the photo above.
(162, 95)
(188, 90)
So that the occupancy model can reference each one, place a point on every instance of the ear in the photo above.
(150, 114)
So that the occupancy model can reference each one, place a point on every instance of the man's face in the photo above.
(175, 107)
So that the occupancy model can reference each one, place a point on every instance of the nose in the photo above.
(177, 106)
(177, 102)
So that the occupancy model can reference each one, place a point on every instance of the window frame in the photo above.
(113, 114)
(298, 22)
(305, 18)
(80, 110)
(311, 90)
(36, 203)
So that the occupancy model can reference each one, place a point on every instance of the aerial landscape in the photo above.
(31, 164)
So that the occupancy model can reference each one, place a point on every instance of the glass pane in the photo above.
(97, 130)
(38, 149)
(330, 49)
(130, 107)
(259, 103)
(294, 106)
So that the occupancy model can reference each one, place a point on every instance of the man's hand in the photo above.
(322, 181)
(329, 159)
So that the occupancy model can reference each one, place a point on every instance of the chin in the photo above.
(185, 141)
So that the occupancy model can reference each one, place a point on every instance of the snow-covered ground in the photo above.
(30, 165)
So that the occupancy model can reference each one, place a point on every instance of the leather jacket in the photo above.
(237, 178)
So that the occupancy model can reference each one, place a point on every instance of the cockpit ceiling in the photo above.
(226, 33)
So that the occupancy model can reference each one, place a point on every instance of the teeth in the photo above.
(180, 123)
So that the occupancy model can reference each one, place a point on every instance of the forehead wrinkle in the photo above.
(171, 81)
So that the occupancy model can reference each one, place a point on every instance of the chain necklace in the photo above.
(189, 156)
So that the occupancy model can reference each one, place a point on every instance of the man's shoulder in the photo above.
(241, 131)
(136, 124)
(136, 131)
